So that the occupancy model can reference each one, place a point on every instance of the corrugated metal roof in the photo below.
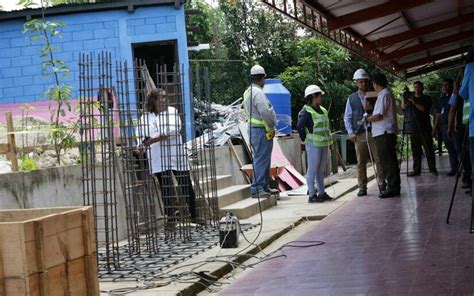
(394, 34)
(99, 5)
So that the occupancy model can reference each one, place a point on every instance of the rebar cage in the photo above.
(135, 159)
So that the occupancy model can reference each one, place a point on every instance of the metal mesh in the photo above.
(98, 158)
(143, 210)
(203, 160)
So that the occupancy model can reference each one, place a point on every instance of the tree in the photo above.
(240, 34)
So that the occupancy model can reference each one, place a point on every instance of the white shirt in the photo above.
(386, 107)
(169, 154)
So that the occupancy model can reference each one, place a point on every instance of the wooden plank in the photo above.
(19, 215)
(11, 142)
(239, 162)
(12, 249)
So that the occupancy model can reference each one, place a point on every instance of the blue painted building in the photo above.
(153, 30)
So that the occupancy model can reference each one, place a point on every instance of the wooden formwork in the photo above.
(48, 252)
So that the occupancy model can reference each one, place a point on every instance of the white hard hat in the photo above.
(360, 74)
(257, 70)
(312, 89)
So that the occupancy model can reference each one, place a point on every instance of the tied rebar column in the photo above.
(143, 210)
(175, 182)
(97, 149)
(203, 161)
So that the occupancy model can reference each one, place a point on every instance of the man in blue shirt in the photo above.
(467, 93)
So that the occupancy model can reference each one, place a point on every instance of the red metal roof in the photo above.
(407, 37)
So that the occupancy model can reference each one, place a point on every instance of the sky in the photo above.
(9, 4)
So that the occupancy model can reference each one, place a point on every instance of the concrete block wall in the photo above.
(115, 31)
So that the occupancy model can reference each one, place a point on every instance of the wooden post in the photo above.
(11, 142)
(239, 162)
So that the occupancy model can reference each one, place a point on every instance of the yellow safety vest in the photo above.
(321, 134)
(251, 120)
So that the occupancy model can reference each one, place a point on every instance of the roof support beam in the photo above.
(373, 12)
(433, 58)
(415, 33)
(443, 65)
(428, 45)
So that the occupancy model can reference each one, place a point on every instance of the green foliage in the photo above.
(28, 164)
(42, 30)
(330, 67)
(240, 35)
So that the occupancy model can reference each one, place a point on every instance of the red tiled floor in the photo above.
(399, 246)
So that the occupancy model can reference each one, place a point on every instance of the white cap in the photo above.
(312, 89)
(360, 74)
(257, 70)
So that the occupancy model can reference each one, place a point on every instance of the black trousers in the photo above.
(422, 140)
(169, 192)
(387, 148)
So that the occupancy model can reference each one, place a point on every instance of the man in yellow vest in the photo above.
(262, 122)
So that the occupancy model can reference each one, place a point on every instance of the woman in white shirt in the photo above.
(160, 129)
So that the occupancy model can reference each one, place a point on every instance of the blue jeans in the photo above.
(317, 158)
(450, 145)
(262, 156)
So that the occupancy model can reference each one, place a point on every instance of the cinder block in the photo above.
(111, 42)
(64, 56)
(156, 20)
(32, 70)
(83, 35)
(23, 61)
(41, 80)
(171, 19)
(93, 44)
(130, 31)
(73, 28)
(22, 80)
(144, 30)
(93, 26)
(73, 46)
(110, 25)
(13, 91)
(104, 33)
(11, 53)
(21, 41)
(11, 72)
(34, 90)
(65, 37)
(135, 22)
(6, 82)
(164, 28)
(5, 63)
(33, 50)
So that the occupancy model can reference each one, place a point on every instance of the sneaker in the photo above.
(262, 194)
(451, 173)
(434, 173)
(362, 192)
(315, 199)
(272, 191)
(326, 197)
(413, 174)
(389, 194)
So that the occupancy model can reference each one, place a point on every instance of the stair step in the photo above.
(223, 181)
(248, 207)
(232, 194)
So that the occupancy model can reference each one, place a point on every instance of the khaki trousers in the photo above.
(363, 157)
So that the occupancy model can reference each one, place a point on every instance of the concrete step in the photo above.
(232, 194)
(248, 207)
(223, 181)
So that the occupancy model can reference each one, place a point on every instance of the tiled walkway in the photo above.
(399, 246)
